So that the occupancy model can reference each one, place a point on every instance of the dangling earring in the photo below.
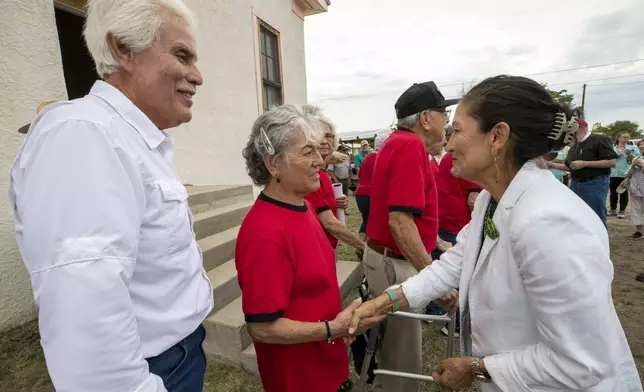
(496, 165)
(278, 179)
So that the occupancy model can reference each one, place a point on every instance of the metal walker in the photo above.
(371, 347)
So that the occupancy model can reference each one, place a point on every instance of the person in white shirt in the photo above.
(533, 265)
(102, 221)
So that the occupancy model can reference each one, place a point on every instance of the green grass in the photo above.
(22, 365)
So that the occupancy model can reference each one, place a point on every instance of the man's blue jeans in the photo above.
(183, 366)
(594, 193)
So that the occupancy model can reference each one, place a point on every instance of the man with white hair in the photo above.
(402, 229)
(103, 222)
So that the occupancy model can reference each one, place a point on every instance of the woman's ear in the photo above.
(271, 164)
(500, 136)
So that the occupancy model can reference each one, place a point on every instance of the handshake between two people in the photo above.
(359, 317)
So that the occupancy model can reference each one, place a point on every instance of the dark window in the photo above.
(271, 71)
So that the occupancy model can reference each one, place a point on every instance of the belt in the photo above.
(383, 250)
(586, 179)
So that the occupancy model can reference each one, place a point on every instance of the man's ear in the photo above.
(121, 53)
(425, 119)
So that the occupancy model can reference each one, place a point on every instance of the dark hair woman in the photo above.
(533, 265)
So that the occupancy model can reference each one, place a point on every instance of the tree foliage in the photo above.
(561, 96)
(614, 130)
(566, 99)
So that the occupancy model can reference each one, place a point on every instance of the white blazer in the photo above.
(539, 295)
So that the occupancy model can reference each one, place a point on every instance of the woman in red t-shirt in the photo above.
(363, 191)
(323, 201)
(286, 268)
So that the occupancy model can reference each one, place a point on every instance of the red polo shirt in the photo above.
(323, 200)
(365, 174)
(434, 165)
(403, 181)
(453, 192)
(286, 268)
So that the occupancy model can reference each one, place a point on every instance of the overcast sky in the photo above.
(363, 53)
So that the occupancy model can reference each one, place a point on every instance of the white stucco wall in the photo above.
(30, 73)
(208, 148)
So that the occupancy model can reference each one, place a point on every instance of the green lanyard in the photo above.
(489, 228)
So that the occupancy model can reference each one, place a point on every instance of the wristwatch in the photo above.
(480, 373)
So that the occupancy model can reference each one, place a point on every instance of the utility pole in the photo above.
(583, 101)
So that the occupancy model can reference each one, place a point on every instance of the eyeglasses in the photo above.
(442, 111)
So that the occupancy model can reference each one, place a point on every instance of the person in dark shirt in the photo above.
(590, 161)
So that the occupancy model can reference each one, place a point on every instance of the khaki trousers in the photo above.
(401, 346)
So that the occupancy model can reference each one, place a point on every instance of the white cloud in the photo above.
(374, 49)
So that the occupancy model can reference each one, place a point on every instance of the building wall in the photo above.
(30, 72)
(208, 148)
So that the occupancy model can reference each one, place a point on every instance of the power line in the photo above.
(596, 80)
(578, 90)
(460, 83)
(586, 67)
(615, 84)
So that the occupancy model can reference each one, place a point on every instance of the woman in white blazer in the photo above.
(533, 266)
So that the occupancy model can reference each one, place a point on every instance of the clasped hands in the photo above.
(359, 317)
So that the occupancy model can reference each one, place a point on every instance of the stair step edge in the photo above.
(222, 274)
(223, 210)
(217, 239)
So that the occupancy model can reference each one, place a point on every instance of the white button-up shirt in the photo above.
(104, 228)
(539, 295)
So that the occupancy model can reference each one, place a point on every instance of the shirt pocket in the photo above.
(174, 217)
(172, 190)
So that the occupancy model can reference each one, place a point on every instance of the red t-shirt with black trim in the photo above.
(365, 175)
(324, 200)
(403, 180)
(286, 268)
(453, 192)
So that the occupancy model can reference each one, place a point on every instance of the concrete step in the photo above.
(218, 248)
(220, 219)
(204, 198)
(248, 360)
(227, 339)
(224, 284)
(226, 334)
(350, 275)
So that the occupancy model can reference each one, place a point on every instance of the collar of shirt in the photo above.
(583, 139)
(152, 135)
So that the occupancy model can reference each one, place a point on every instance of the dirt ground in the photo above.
(22, 365)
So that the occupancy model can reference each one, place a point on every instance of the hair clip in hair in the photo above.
(573, 127)
(266, 142)
(564, 129)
